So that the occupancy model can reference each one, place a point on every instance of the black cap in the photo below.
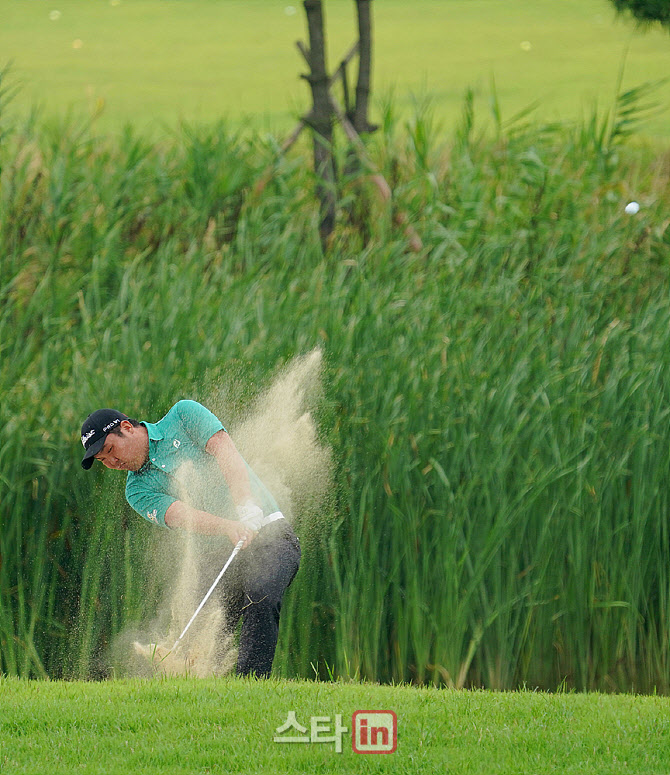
(94, 432)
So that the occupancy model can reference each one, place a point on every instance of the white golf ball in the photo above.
(632, 208)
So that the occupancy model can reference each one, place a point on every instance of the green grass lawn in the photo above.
(153, 61)
(229, 725)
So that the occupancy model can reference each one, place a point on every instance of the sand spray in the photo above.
(278, 437)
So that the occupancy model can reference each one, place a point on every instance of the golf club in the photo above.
(237, 548)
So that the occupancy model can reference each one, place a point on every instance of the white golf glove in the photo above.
(250, 515)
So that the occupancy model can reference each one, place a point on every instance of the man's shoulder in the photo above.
(188, 405)
(185, 407)
(189, 417)
(177, 412)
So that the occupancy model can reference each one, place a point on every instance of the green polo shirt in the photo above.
(179, 468)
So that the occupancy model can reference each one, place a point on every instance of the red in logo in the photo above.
(374, 731)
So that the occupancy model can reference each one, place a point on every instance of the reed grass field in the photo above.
(496, 403)
(152, 63)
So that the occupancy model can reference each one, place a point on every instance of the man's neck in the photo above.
(145, 435)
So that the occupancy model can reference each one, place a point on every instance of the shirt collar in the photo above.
(153, 431)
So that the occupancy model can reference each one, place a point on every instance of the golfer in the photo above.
(185, 472)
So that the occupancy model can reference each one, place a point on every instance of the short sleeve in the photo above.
(150, 504)
(198, 422)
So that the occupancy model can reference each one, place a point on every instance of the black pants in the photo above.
(252, 589)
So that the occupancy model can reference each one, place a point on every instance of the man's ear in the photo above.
(126, 426)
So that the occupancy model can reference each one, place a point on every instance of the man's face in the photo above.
(127, 452)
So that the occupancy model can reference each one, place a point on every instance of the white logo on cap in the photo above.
(86, 437)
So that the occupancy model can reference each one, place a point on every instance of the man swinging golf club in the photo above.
(185, 472)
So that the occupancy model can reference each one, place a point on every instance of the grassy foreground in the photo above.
(191, 726)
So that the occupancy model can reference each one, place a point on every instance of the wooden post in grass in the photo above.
(320, 117)
(326, 110)
(359, 117)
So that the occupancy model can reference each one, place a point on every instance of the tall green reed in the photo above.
(496, 403)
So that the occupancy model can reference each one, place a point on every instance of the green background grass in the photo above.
(525, 348)
(190, 726)
(496, 403)
(152, 61)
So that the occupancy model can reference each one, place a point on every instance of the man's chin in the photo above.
(137, 465)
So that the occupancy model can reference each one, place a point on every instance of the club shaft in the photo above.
(211, 589)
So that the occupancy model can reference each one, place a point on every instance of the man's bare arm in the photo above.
(232, 466)
(179, 514)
